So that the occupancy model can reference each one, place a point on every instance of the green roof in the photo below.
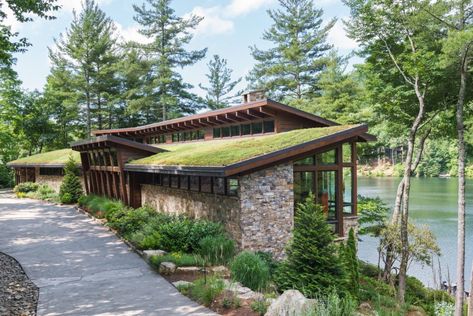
(226, 152)
(55, 157)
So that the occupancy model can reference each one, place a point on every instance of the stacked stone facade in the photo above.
(54, 182)
(260, 218)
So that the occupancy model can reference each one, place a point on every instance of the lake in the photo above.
(433, 201)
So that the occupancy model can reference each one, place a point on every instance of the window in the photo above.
(219, 186)
(257, 128)
(194, 183)
(51, 171)
(235, 130)
(246, 129)
(305, 161)
(326, 158)
(206, 184)
(165, 180)
(175, 137)
(347, 190)
(114, 157)
(174, 181)
(346, 149)
(200, 134)
(217, 132)
(184, 182)
(226, 131)
(303, 186)
(326, 192)
(268, 126)
(232, 187)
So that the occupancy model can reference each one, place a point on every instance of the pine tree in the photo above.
(351, 263)
(168, 94)
(220, 84)
(290, 69)
(89, 47)
(312, 266)
(71, 186)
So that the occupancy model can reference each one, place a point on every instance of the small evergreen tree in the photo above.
(351, 263)
(71, 187)
(312, 266)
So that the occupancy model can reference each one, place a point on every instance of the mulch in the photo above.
(18, 295)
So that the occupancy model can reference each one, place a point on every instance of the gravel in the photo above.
(18, 295)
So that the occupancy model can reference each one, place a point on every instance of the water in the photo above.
(433, 202)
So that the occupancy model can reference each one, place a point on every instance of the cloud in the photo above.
(338, 37)
(219, 19)
(131, 33)
(213, 22)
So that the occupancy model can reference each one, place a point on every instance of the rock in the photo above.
(188, 269)
(179, 284)
(242, 292)
(290, 303)
(221, 270)
(167, 268)
(148, 253)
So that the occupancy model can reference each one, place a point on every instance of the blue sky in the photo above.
(228, 29)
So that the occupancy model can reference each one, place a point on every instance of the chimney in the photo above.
(255, 95)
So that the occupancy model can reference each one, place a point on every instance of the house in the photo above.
(246, 166)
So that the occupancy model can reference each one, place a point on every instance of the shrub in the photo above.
(128, 221)
(250, 270)
(350, 261)
(444, 309)
(6, 176)
(205, 291)
(26, 187)
(260, 306)
(268, 258)
(179, 259)
(71, 187)
(217, 249)
(334, 305)
(148, 237)
(175, 235)
(312, 264)
(201, 229)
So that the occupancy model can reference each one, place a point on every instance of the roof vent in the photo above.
(255, 95)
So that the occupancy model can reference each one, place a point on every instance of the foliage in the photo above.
(225, 152)
(312, 264)
(444, 309)
(216, 250)
(178, 258)
(26, 187)
(165, 94)
(260, 306)
(350, 261)
(270, 261)
(206, 290)
(220, 84)
(334, 305)
(250, 270)
(71, 186)
(372, 215)
(291, 68)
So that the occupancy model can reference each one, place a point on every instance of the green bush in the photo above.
(148, 237)
(71, 186)
(26, 187)
(312, 266)
(350, 261)
(175, 235)
(217, 249)
(205, 291)
(179, 259)
(127, 221)
(201, 229)
(6, 176)
(334, 305)
(250, 270)
(260, 306)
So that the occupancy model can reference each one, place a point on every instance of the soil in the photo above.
(18, 295)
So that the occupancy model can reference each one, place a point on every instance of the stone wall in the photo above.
(350, 222)
(52, 181)
(267, 208)
(219, 208)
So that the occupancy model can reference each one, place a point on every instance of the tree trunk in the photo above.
(459, 297)
(405, 193)
(470, 301)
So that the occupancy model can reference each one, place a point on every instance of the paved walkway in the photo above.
(80, 267)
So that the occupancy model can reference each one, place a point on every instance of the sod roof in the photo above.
(52, 158)
(220, 153)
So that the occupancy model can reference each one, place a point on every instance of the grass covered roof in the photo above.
(55, 157)
(219, 153)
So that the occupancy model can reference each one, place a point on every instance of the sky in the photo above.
(228, 29)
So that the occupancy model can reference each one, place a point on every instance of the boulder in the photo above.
(167, 268)
(189, 269)
(179, 284)
(220, 270)
(291, 303)
(148, 253)
(242, 292)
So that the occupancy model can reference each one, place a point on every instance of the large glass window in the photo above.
(268, 126)
(305, 161)
(303, 186)
(235, 130)
(226, 131)
(217, 132)
(347, 190)
(246, 129)
(257, 128)
(327, 158)
(327, 192)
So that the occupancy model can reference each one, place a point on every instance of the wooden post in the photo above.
(354, 172)
(339, 191)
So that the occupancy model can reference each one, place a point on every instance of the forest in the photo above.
(99, 81)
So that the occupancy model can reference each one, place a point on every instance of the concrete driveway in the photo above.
(80, 267)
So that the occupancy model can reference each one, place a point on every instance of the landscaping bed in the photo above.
(18, 295)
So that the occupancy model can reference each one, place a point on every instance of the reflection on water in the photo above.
(433, 202)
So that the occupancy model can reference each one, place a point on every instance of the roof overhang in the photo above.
(107, 141)
(41, 165)
(277, 157)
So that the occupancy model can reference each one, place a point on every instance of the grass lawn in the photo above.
(51, 158)
(229, 151)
